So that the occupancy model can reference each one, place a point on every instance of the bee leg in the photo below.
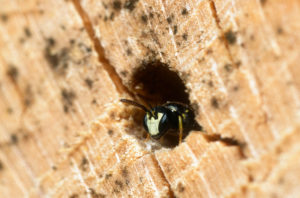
(180, 127)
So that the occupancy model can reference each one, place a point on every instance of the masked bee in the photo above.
(171, 116)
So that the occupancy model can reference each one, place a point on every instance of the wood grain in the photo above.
(64, 65)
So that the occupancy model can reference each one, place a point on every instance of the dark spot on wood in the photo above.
(236, 88)
(58, 60)
(54, 167)
(68, 97)
(263, 2)
(117, 5)
(27, 32)
(84, 163)
(52, 58)
(105, 18)
(209, 51)
(214, 102)
(25, 136)
(14, 139)
(28, 96)
(110, 132)
(228, 67)
(94, 194)
(74, 196)
(180, 187)
(119, 184)
(151, 15)
(175, 29)
(128, 52)
(230, 37)
(89, 82)
(84, 47)
(124, 73)
(169, 19)
(94, 102)
(72, 41)
(63, 27)
(184, 11)
(13, 73)
(210, 83)
(130, 4)
(112, 115)
(4, 17)
(104, 5)
(51, 42)
(9, 110)
(112, 16)
(88, 49)
(144, 19)
(185, 36)
(279, 30)
(250, 178)
(1, 166)
(281, 180)
(125, 172)
(107, 176)
(66, 108)
(21, 40)
(238, 63)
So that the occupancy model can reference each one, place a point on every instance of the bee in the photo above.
(171, 116)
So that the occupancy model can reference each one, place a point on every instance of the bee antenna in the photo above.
(134, 104)
(151, 112)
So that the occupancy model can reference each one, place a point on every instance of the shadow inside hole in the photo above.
(155, 84)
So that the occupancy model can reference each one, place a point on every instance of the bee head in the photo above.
(157, 120)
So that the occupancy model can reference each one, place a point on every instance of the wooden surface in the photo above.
(64, 65)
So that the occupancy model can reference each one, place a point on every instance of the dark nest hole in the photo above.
(154, 83)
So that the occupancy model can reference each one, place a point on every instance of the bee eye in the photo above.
(164, 124)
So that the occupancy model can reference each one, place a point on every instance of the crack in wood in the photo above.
(217, 20)
(116, 79)
(171, 191)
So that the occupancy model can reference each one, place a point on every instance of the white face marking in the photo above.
(153, 123)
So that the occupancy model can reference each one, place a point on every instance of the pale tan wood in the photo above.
(64, 65)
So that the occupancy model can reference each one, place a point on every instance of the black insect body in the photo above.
(172, 116)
